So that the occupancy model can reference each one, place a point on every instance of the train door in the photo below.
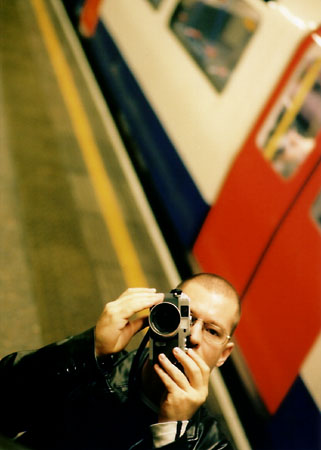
(271, 168)
(264, 235)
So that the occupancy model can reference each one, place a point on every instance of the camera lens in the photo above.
(164, 319)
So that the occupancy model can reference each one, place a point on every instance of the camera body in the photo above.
(169, 324)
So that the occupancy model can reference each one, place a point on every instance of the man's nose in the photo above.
(196, 332)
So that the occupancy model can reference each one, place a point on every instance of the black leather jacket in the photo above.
(62, 399)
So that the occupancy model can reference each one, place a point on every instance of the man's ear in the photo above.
(225, 354)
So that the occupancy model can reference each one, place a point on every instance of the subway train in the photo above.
(220, 104)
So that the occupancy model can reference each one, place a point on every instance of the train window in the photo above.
(155, 3)
(215, 33)
(316, 210)
(288, 135)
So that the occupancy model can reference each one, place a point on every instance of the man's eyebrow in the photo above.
(211, 322)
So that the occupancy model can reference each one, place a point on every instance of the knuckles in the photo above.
(110, 309)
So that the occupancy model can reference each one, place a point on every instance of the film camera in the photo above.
(169, 323)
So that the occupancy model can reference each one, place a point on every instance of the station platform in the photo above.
(76, 229)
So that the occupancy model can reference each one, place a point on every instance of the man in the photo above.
(86, 392)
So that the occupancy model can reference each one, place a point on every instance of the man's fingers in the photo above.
(195, 368)
(199, 361)
(174, 372)
(136, 300)
(169, 383)
(195, 357)
(137, 289)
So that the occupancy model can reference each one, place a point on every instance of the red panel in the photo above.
(282, 308)
(250, 207)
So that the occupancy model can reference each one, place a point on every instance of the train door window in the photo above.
(288, 135)
(316, 210)
(215, 33)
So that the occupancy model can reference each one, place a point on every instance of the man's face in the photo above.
(214, 308)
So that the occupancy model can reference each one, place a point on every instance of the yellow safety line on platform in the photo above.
(103, 188)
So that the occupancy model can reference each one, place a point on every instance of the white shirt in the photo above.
(165, 432)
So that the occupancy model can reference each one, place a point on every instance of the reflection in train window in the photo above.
(316, 210)
(155, 3)
(288, 136)
(215, 32)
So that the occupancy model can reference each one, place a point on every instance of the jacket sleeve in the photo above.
(36, 383)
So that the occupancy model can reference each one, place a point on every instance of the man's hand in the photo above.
(114, 328)
(185, 392)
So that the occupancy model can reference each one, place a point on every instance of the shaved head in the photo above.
(215, 283)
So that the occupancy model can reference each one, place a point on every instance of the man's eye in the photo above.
(212, 331)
